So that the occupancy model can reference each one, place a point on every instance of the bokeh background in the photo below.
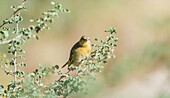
(141, 68)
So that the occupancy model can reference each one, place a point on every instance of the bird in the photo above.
(80, 51)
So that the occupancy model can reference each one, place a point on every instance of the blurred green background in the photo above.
(141, 67)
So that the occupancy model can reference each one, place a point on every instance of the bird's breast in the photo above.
(83, 51)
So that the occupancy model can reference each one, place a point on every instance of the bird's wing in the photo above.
(73, 49)
(72, 55)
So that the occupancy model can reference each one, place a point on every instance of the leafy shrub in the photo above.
(31, 85)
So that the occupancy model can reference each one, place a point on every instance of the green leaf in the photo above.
(53, 3)
(5, 34)
(1, 87)
(56, 66)
(37, 29)
(104, 61)
(31, 20)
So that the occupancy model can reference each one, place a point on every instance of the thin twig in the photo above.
(4, 23)
(63, 76)
(15, 66)
(23, 2)
(15, 56)
(13, 14)
(7, 72)
(9, 40)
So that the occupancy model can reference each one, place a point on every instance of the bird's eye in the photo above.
(85, 39)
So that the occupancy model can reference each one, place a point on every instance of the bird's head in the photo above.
(85, 41)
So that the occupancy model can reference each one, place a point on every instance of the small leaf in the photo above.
(56, 66)
(104, 61)
(37, 29)
(31, 20)
(52, 3)
(1, 86)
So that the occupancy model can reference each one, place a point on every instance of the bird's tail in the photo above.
(64, 65)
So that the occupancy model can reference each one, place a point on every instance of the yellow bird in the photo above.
(79, 51)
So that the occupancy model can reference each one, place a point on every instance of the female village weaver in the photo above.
(79, 51)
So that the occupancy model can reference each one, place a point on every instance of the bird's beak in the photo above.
(88, 39)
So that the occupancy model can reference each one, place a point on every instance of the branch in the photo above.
(9, 40)
(7, 72)
(15, 58)
(14, 13)
(23, 2)
(4, 23)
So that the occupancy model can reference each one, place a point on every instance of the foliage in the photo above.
(31, 85)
